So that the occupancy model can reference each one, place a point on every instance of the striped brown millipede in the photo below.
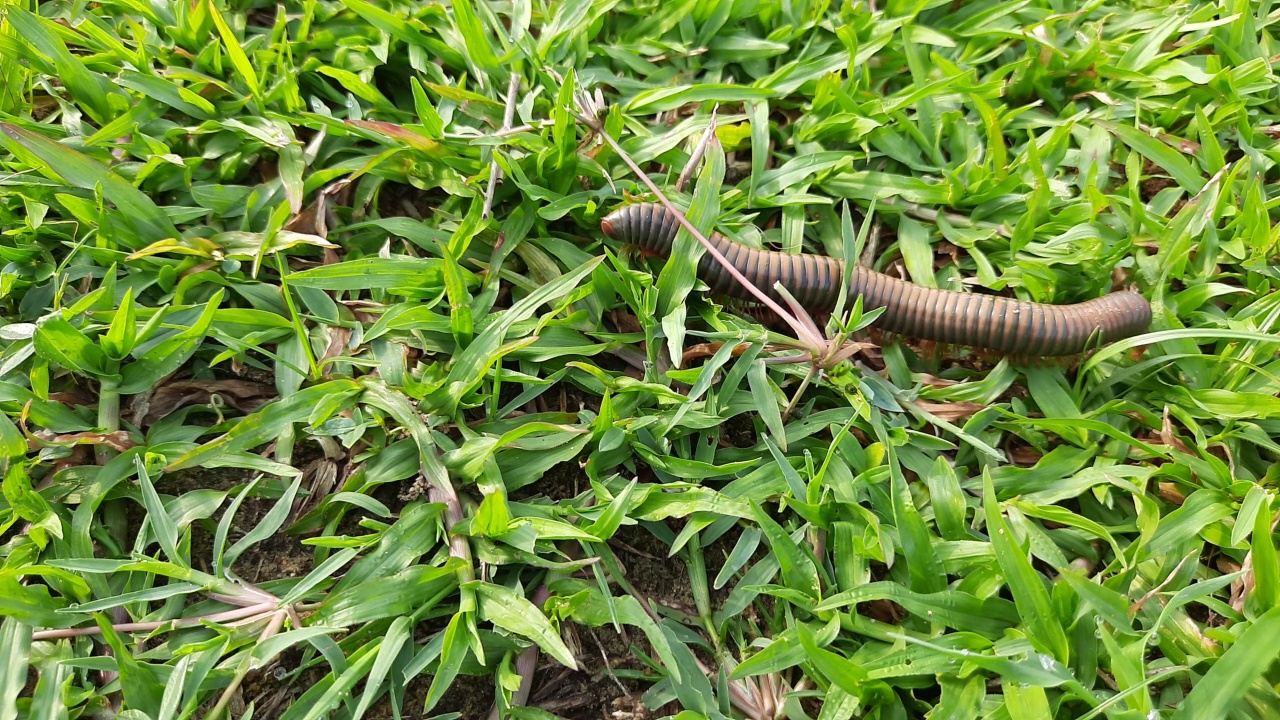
(985, 322)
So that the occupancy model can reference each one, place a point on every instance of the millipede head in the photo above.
(626, 224)
(606, 226)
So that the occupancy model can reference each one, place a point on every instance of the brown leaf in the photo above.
(1169, 436)
(118, 440)
(951, 411)
(399, 132)
(1024, 456)
(625, 322)
(885, 611)
(72, 397)
(319, 477)
(1170, 493)
(310, 219)
(703, 350)
(946, 249)
(197, 269)
(338, 339)
(243, 395)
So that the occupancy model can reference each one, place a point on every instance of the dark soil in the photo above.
(1153, 185)
(562, 482)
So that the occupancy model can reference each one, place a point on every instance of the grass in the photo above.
(323, 394)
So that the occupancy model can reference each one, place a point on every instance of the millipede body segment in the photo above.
(987, 322)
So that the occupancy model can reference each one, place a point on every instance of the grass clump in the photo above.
(322, 393)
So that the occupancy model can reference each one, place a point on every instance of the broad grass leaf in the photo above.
(765, 400)
(798, 570)
(956, 609)
(961, 697)
(839, 670)
(1051, 394)
(168, 709)
(1145, 49)
(1249, 509)
(15, 646)
(1266, 566)
(322, 572)
(479, 46)
(26, 503)
(169, 93)
(759, 112)
(468, 460)
(292, 167)
(1064, 516)
(1178, 167)
(1191, 593)
(49, 700)
(568, 22)
(267, 527)
(875, 185)
(917, 254)
(658, 100)
(472, 363)
(387, 22)
(412, 536)
(155, 361)
(139, 681)
(789, 474)
(1200, 508)
(370, 273)
(89, 89)
(679, 273)
(782, 652)
(325, 696)
(356, 85)
(123, 331)
(522, 467)
(264, 425)
(742, 552)
(400, 633)
(453, 651)
(60, 342)
(384, 596)
(611, 519)
(35, 605)
(223, 531)
(266, 650)
(1067, 427)
(746, 590)
(947, 500)
(923, 566)
(1220, 690)
(1107, 603)
(798, 171)
(692, 688)
(587, 604)
(158, 518)
(514, 613)
(1044, 628)
(1211, 151)
(1127, 668)
(1234, 405)
(1026, 702)
(1037, 669)
(239, 60)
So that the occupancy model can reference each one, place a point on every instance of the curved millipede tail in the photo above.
(985, 322)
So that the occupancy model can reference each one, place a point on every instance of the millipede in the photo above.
(987, 323)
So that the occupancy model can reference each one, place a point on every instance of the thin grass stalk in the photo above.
(799, 328)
